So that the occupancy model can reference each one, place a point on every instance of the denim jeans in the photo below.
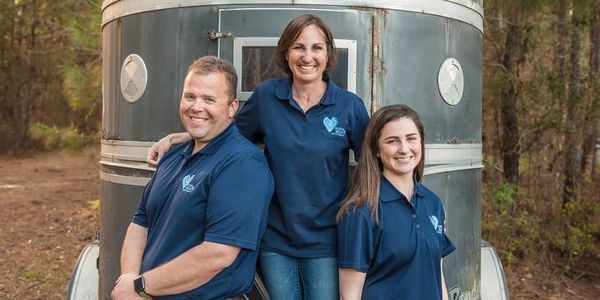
(296, 278)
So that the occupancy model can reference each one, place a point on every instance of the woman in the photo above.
(391, 237)
(307, 125)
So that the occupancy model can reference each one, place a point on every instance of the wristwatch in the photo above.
(140, 287)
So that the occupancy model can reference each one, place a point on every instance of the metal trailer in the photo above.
(427, 54)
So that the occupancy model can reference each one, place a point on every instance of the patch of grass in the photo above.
(33, 275)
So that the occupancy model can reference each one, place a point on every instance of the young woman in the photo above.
(307, 125)
(391, 237)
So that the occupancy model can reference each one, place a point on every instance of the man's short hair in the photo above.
(211, 64)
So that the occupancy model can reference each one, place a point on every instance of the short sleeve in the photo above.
(140, 217)
(248, 120)
(446, 244)
(359, 124)
(356, 241)
(238, 202)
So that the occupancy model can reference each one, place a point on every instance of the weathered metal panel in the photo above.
(461, 194)
(413, 48)
(168, 41)
(118, 203)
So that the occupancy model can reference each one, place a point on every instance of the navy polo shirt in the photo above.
(308, 155)
(401, 255)
(219, 194)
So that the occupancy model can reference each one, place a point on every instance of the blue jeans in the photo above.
(296, 278)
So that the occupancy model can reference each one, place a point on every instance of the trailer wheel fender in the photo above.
(84, 280)
(493, 279)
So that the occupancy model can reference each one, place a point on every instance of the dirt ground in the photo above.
(48, 216)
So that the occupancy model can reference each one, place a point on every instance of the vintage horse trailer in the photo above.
(427, 54)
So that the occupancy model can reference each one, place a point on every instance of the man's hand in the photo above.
(158, 150)
(124, 289)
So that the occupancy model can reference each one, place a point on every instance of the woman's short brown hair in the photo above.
(291, 33)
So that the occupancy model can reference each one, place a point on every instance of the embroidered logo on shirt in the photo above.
(331, 126)
(186, 184)
(438, 227)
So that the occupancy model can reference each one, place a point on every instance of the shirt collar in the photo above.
(387, 192)
(213, 146)
(284, 90)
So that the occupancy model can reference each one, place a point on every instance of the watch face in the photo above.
(138, 284)
(451, 81)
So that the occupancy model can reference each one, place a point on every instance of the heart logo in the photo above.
(187, 179)
(330, 123)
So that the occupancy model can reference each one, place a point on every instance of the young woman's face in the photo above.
(307, 56)
(400, 148)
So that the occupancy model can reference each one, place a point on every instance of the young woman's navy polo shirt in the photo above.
(401, 255)
(219, 194)
(308, 155)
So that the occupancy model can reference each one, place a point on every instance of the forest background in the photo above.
(541, 106)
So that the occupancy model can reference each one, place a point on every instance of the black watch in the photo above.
(140, 287)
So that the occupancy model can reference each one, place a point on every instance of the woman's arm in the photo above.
(156, 152)
(351, 283)
(444, 289)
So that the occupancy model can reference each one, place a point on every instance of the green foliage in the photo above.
(52, 137)
(500, 225)
(579, 237)
(50, 73)
(505, 195)
(80, 85)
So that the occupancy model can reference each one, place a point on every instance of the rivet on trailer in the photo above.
(427, 54)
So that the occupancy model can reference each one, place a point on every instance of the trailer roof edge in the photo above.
(466, 11)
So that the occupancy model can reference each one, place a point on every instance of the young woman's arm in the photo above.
(351, 283)
(444, 289)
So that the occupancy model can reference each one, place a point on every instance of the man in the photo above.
(197, 228)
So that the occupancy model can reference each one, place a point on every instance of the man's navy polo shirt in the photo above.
(402, 254)
(219, 194)
(308, 155)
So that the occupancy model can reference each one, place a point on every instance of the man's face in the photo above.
(204, 109)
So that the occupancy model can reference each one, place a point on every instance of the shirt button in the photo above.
(418, 226)
(414, 216)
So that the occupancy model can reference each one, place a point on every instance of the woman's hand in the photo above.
(158, 150)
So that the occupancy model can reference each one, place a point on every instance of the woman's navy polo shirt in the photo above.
(219, 194)
(308, 155)
(402, 254)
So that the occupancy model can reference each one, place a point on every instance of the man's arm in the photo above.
(133, 249)
(191, 269)
(351, 283)
(131, 261)
(158, 150)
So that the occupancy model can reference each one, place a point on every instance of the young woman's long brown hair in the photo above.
(364, 188)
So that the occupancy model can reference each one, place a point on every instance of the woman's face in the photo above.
(307, 56)
(400, 148)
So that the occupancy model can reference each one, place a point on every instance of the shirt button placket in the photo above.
(303, 129)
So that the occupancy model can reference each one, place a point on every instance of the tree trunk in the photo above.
(571, 169)
(588, 162)
(513, 51)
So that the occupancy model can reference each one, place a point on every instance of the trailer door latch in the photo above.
(213, 35)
